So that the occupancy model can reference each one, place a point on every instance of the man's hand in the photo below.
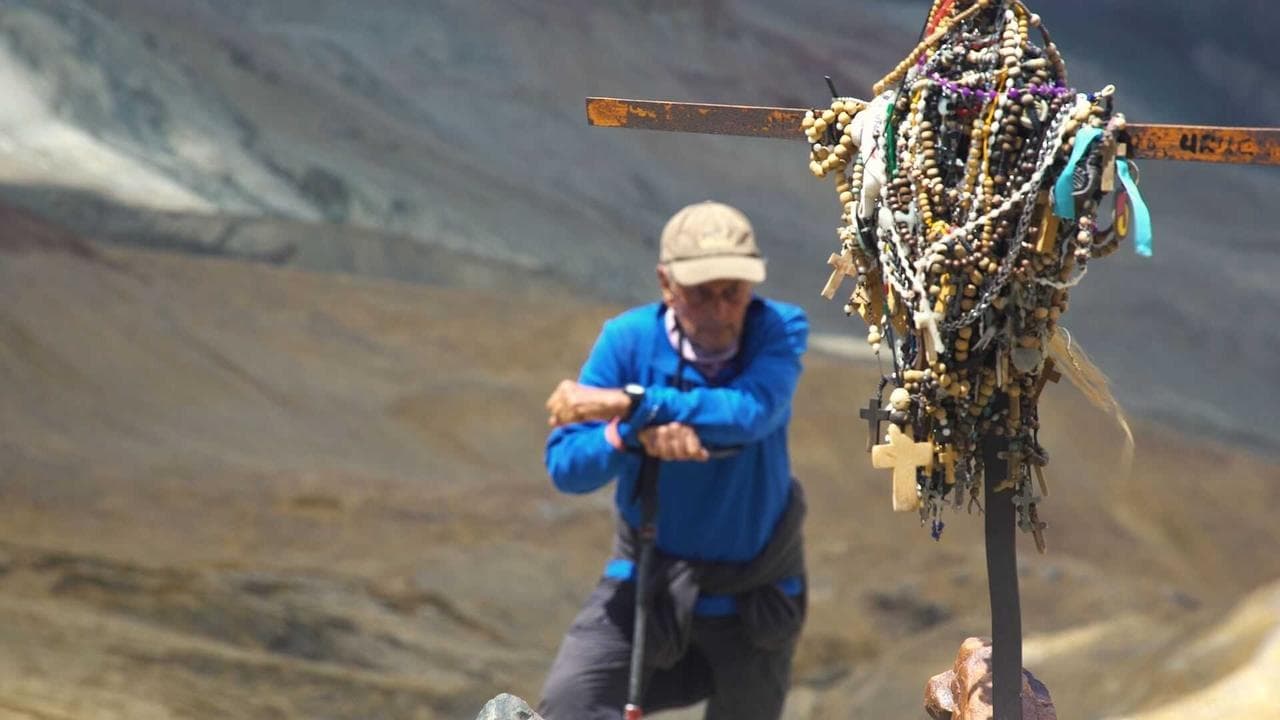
(673, 441)
(574, 403)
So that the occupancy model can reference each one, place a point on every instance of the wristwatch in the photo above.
(635, 393)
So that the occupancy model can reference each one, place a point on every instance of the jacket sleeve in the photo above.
(578, 457)
(749, 408)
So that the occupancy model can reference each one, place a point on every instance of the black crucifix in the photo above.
(874, 414)
(1257, 146)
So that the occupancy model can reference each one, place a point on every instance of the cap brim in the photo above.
(696, 271)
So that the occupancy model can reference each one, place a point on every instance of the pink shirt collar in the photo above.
(709, 364)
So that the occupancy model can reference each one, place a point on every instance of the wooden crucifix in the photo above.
(905, 456)
(1048, 375)
(1236, 145)
(843, 268)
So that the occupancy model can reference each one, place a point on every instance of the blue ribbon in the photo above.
(1064, 204)
(1142, 235)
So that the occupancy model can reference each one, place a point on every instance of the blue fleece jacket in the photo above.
(722, 510)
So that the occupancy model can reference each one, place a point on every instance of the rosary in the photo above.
(971, 187)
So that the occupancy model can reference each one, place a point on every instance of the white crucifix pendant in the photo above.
(927, 323)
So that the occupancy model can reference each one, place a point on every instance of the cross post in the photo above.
(1190, 143)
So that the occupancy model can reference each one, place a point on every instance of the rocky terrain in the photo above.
(293, 469)
(233, 490)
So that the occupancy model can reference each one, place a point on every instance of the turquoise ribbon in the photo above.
(1064, 205)
(1142, 235)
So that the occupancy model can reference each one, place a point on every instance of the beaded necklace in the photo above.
(970, 196)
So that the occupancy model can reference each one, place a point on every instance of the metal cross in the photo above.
(874, 414)
(1195, 143)
(947, 456)
(1192, 143)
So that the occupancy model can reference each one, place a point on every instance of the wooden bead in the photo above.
(900, 399)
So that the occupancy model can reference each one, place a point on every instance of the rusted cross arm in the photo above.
(745, 120)
(1198, 143)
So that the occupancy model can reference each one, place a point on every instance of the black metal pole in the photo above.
(647, 489)
(1002, 579)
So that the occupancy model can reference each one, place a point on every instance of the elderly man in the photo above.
(703, 382)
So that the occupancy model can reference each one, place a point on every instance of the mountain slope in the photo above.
(460, 126)
(232, 490)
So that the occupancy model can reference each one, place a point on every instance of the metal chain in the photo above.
(902, 279)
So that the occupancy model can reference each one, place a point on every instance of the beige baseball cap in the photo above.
(710, 241)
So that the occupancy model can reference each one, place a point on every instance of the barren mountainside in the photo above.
(232, 490)
(285, 283)
(460, 125)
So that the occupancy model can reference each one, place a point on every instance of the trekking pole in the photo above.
(647, 489)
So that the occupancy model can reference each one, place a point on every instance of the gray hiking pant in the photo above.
(588, 680)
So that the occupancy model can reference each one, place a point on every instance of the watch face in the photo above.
(635, 394)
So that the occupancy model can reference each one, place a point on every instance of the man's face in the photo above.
(711, 314)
